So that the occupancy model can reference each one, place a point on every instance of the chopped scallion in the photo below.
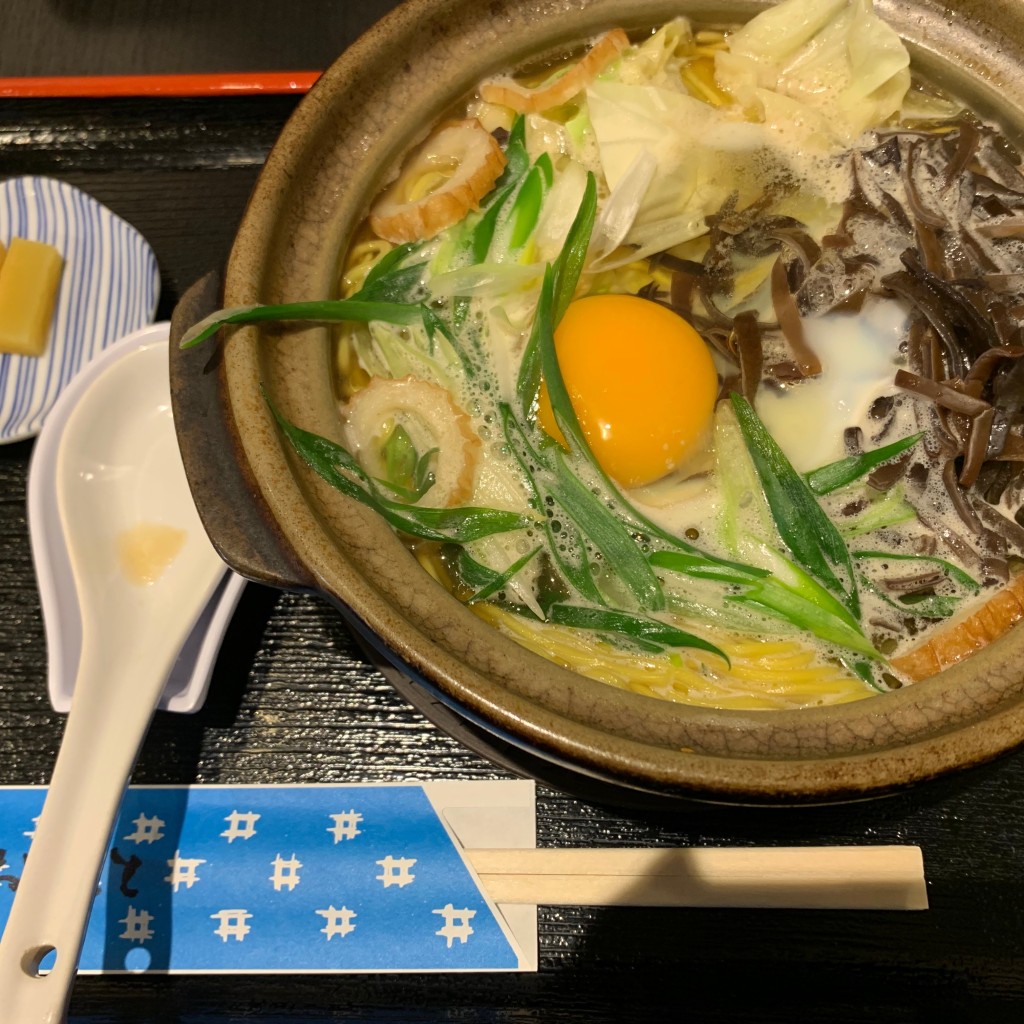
(634, 627)
(335, 464)
(838, 474)
(802, 523)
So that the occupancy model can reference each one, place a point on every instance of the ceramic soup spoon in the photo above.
(144, 570)
(188, 682)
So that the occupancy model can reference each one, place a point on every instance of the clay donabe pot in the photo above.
(275, 521)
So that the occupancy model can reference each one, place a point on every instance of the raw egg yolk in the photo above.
(641, 381)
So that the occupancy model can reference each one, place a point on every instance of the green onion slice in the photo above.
(951, 570)
(838, 474)
(801, 521)
(924, 606)
(500, 579)
(525, 210)
(332, 462)
(556, 295)
(317, 311)
(558, 489)
(634, 627)
(388, 281)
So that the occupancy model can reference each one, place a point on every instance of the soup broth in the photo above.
(693, 362)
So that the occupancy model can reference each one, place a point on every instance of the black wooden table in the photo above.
(295, 700)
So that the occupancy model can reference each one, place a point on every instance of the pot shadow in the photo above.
(134, 881)
(134, 872)
(174, 744)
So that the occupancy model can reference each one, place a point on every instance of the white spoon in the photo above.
(120, 486)
(188, 682)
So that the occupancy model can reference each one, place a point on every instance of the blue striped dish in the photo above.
(110, 287)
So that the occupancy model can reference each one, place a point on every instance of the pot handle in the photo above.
(236, 518)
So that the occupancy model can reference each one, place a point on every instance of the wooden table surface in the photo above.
(295, 700)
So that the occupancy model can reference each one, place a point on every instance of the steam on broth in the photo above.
(693, 363)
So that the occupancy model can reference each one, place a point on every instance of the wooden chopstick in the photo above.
(837, 877)
(229, 82)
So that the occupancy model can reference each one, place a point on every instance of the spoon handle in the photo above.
(110, 714)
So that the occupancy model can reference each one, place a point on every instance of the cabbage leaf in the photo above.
(835, 57)
(687, 149)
